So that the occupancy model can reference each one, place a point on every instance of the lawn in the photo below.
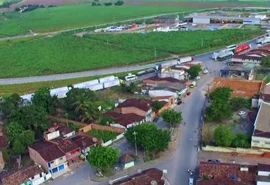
(104, 135)
(68, 53)
(74, 16)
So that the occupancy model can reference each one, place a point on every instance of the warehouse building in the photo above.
(197, 19)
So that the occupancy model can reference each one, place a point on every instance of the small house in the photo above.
(127, 161)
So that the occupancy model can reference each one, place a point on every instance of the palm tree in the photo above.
(90, 112)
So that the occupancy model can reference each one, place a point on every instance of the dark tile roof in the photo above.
(225, 171)
(65, 130)
(263, 167)
(65, 144)
(143, 104)
(144, 178)
(158, 79)
(83, 141)
(222, 182)
(259, 133)
(124, 119)
(47, 150)
(21, 175)
(126, 158)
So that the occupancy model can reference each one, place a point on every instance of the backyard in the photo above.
(103, 134)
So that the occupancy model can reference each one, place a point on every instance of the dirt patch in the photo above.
(186, 4)
(244, 88)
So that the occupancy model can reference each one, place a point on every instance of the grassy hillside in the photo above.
(72, 16)
(67, 53)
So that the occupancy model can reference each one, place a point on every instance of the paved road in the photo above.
(202, 57)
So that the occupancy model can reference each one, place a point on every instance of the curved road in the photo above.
(107, 71)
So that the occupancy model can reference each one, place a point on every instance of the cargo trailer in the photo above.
(106, 79)
(241, 48)
(96, 87)
(112, 83)
(86, 84)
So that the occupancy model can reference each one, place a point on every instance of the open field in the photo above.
(75, 16)
(176, 42)
(67, 53)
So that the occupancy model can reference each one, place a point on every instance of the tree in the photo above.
(172, 117)
(6, 154)
(157, 105)
(194, 71)
(128, 88)
(27, 137)
(218, 110)
(241, 140)
(149, 137)
(223, 136)
(18, 147)
(14, 129)
(223, 93)
(43, 98)
(239, 102)
(102, 158)
(265, 61)
(108, 4)
(104, 120)
(9, 104)
(31, 117)
(94, 4)
(119, 3)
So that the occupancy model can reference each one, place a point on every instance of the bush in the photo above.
(241, 140)
(108, 4)
(239, 102)
(223, 136)
(94, 4)
(119, 3)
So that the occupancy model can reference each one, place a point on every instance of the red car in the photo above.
(188, 93)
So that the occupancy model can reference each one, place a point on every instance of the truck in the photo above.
(130, 77)
(106, 79)
(224, 56)
(241, 48)
(112, 83)
(163, 66)
(263, 40)
(231, 47)
(185, 60)
(96, 87)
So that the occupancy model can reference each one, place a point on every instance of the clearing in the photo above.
(67, 53)
(242, 88)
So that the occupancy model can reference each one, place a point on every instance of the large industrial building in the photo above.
(202, 19)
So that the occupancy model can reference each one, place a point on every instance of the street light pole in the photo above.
(135, 133)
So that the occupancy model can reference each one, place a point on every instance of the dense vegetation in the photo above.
(74, 16)
(67, 53)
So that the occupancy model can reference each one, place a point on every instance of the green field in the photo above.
(68, 53)
(176, 42)
(74, 16)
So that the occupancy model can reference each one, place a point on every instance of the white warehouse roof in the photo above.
(221, 17)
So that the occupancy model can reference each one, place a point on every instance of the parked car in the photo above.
(241, 113)
(179, 102)
(188, 93)
(213, 161)
(190, 181)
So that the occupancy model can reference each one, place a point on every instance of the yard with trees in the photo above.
(194, 71)
(149, 138)
(172, 117)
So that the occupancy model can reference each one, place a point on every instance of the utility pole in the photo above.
(202, 42)
(136, 152)
(208, 89)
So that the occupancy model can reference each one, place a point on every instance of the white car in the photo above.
(241, 113)
(205, 71)
(190, 181)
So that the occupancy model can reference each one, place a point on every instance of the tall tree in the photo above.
(221, 93)
(223, 136)
(14, 129)
(172, 117)
(239, 102)
(149, 137)
(43, 98)
(194, 71)
(241, 140)
(102, 158)
(27, 137)
(10, 104)
(219, 110)
(18, 147)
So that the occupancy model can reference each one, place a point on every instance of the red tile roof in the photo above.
(83, 141)
(225, 171)
(222, 182)
(65, 144)
(21, 175)
(126, 158)
(143, 104)
(47, 150)
(144, 178)
(124, 119)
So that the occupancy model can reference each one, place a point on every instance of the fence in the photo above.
(63, 120)
(247, 151)
(101, 127)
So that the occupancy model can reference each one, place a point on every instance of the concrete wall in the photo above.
(260, 142)
(35, 156)
(63, 120)
(101, 127)
(130, 110)
(262, 173)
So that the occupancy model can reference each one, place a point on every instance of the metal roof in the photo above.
(221, 17)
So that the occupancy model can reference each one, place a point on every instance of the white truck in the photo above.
(222, 55)
(231, 47)
(263, 40)
(130, 77)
